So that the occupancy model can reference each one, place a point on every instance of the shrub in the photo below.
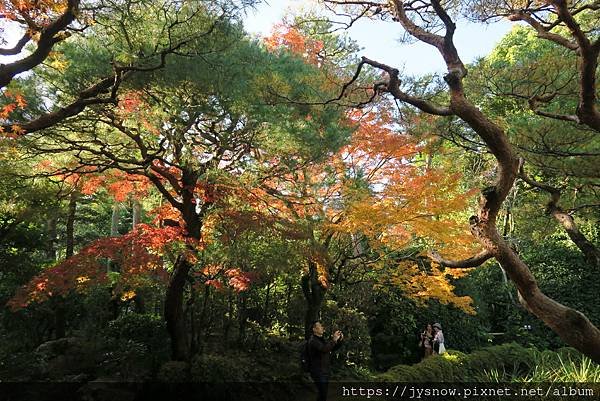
(566, 365)
(357, 341)
(137, 345)
(510, 359)
(212, 368)
(174, 372)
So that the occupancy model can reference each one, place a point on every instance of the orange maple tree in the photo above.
(138, 254)
(376, 189)
(286, 37)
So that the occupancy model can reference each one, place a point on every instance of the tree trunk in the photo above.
(52, 234)
(203, 323)
(288, 303)
(60, 310)
(59, 318)
(314, 293)
(242, 319)
(572, 326)
(114, 220)
(71, 225)
(137, 212)
(194, 346)
(139, 302)
(265, 315)
(174, 315)
(114, 231)
(589, 250)
(228, 318)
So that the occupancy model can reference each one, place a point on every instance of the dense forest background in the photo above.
(179, 200)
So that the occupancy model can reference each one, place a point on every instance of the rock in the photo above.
(66, 358)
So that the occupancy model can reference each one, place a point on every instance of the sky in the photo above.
(380, 40)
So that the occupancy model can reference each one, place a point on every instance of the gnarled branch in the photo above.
(474, 261)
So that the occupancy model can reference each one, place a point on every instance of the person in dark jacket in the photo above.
(318, 351)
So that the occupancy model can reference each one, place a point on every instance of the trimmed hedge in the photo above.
(512, 359)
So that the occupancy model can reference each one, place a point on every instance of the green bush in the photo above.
(66, 356)
(511, 359)
(508, 360)
(565, 365)
(142, 328)
(174, 372)
(19, 366)
(502, 363)
(357, 341)
(213, 368)
(137, 345)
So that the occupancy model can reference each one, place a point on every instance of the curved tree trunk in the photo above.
(572, 326)
(567, 222)
(589, 250)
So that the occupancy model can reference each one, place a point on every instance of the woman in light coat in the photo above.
(438, 339)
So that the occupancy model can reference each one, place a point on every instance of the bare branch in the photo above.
(393, 87)
(49, 36)
(471, 262)
(542, 31)
(18, 47)
(589, 250)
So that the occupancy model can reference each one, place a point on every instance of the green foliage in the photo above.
(562, 274)
(215, 368)
(456, 366)
(503, 363)
(566, 365)
(60, 358)
(394, 330)
(174, 372)
(396, 323)
(137, 345)
(17, 366)
(266, 109)
(144, 328)
(353, 323)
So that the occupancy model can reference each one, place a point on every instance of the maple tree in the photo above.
(274, 181)
(368, 199)
(138, 254)
(191, 135)
(432, 23)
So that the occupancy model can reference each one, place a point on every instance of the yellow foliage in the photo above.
(57, 61)
(127, 295)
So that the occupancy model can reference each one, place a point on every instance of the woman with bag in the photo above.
(427, 341)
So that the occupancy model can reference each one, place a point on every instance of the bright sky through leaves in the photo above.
(472, 40)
